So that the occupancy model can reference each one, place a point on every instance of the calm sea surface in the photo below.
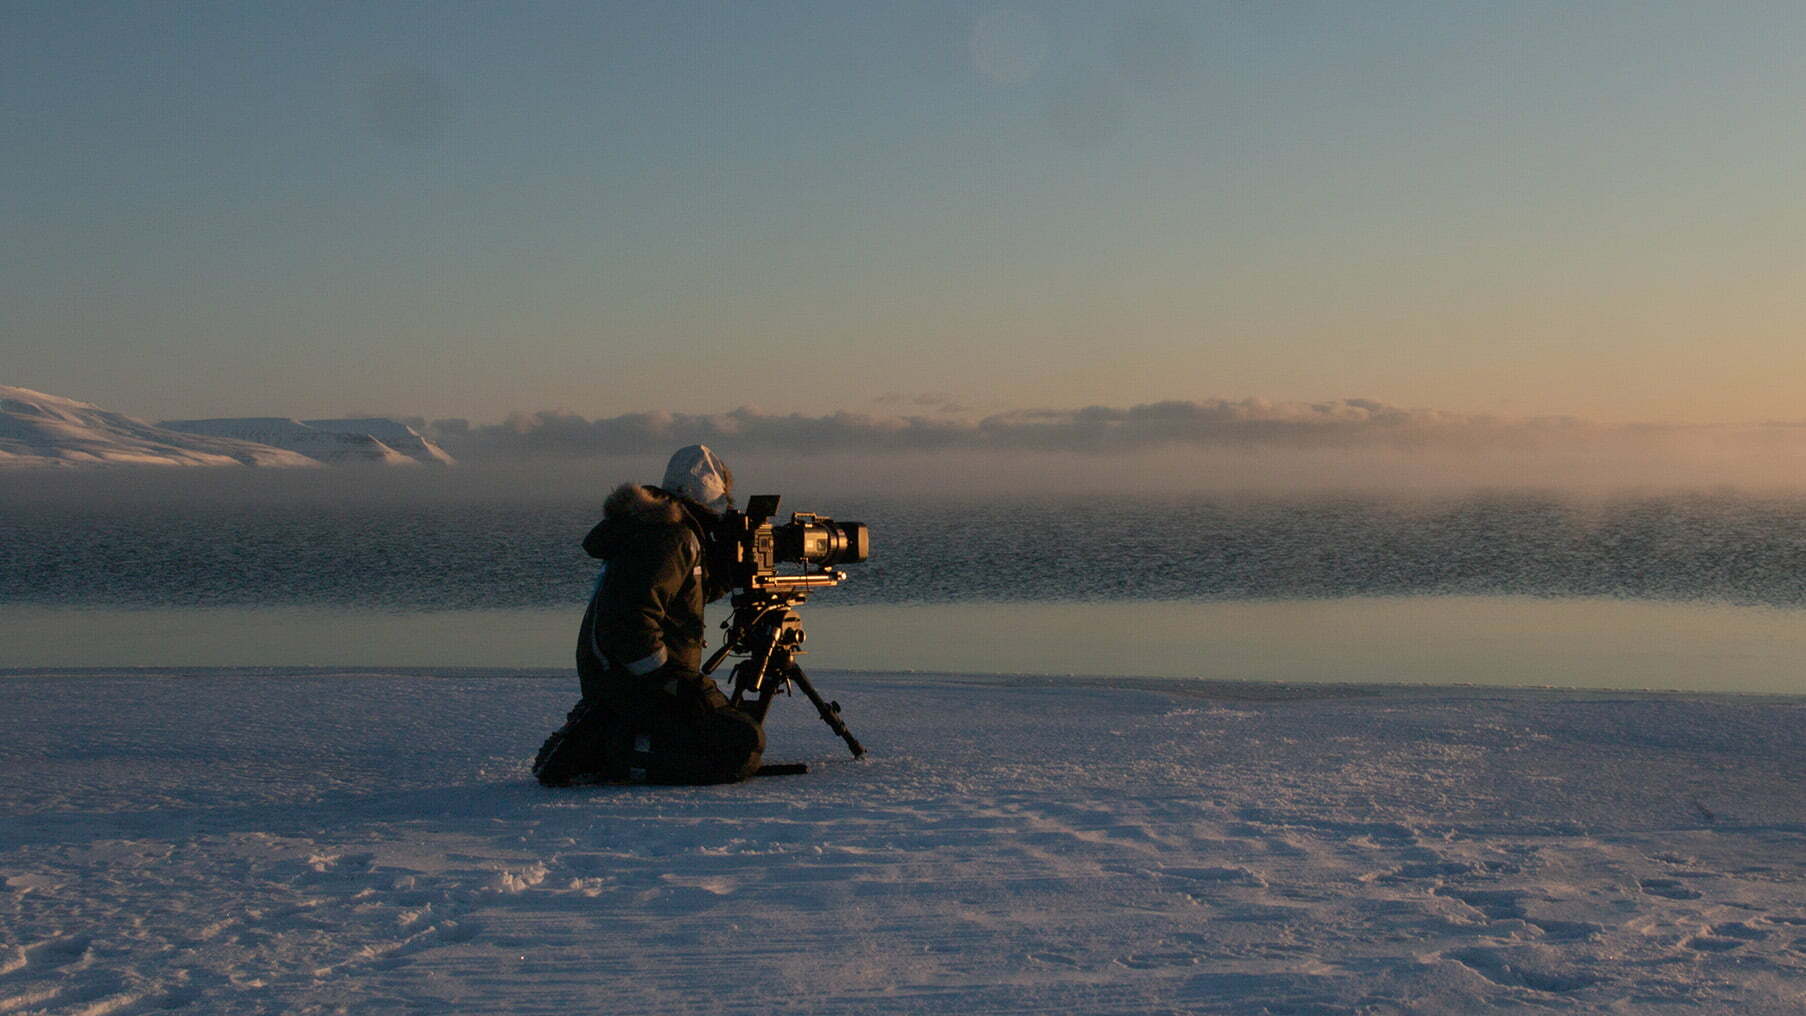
(1693, 591)
(403, 555)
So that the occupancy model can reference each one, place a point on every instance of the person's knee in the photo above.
(738, 743)
(722, 746)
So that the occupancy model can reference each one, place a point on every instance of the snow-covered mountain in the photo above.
(48, 430)
(37, 429)
(330, 446)
(396, 435)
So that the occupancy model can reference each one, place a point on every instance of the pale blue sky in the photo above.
(465, 209)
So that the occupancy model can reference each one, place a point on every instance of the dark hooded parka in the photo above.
(647, 609)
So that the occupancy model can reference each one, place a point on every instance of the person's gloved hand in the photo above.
(692, 692)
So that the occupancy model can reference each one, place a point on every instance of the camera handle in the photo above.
(767, 629)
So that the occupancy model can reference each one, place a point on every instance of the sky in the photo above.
(469, 210)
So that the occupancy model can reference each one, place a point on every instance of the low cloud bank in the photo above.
(1218, 423)
(1216, 444)
(1244, 425)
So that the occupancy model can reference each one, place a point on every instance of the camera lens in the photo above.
(851, 544)
(822, 543)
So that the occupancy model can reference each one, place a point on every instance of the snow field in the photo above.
(305, 842)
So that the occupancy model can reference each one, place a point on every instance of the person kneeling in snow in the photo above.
(647, 713)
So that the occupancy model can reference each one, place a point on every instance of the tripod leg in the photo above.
(830, 711)
(750, 674)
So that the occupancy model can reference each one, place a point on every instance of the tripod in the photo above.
(766, 629)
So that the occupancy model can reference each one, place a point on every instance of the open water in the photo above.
(400, 554)
(1697, 590)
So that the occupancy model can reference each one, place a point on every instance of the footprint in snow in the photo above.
(1669, 888)
(1567, 931)
(1213, 874)
(1508, 971)
(51, 952)
(1417, 870)
(1496, 904)
(1735, 932)
(1157, 960)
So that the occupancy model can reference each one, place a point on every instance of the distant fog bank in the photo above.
(1215, 445)
(816, 480)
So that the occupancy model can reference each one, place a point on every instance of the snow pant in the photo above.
(645, 742)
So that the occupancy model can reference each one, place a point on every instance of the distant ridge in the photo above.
(37, 429)
(329, 446)
(395, 434)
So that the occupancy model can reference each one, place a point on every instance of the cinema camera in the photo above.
(764, 627)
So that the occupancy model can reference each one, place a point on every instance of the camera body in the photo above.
(757, 547)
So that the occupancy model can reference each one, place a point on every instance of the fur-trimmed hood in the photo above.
(638, 503)
(632, 509)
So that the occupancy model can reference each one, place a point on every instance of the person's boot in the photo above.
(576, 753)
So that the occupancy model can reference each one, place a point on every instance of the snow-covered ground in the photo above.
(298, 842)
